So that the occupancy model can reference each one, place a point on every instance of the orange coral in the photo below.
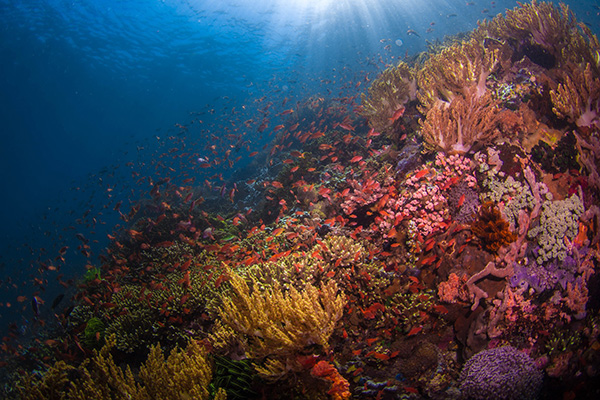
(456, 125)
(491, 228)
(339, 384)
(453, 289)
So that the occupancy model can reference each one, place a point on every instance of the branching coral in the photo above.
(273, 322)
(182, 375)
(457, 125)
(388, 95)
(577, 97)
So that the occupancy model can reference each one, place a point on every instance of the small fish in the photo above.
(397, 114)
(412, 32)
(35, 306)
(414, 331)
(57, 300)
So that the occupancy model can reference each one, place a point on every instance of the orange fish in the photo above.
(356, 159)
(397, 114)
(414, 330)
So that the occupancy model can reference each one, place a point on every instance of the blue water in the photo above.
(89, 89)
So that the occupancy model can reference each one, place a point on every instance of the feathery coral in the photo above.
(492, 229)
(182, 375)
(275, 322)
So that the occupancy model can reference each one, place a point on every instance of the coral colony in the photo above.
(440, 243)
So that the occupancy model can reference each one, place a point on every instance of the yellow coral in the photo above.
(387, 94)
(457, 70)
(275, 322)
(51, 385)
(455, 126)
(185, 374)
(541, 23)
(577, 97)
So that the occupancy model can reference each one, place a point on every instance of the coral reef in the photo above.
(358, 261)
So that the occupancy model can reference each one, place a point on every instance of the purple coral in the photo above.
(503, 373)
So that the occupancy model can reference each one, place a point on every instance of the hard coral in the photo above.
(491, 228)
(503, 373)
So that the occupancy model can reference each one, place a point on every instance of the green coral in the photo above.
(181, 287)
(93, 335)
(234, 377)
(558, 220)
(92, 274)
(562, 341)
(514, 194)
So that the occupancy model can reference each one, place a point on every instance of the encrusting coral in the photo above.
(503, 373)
